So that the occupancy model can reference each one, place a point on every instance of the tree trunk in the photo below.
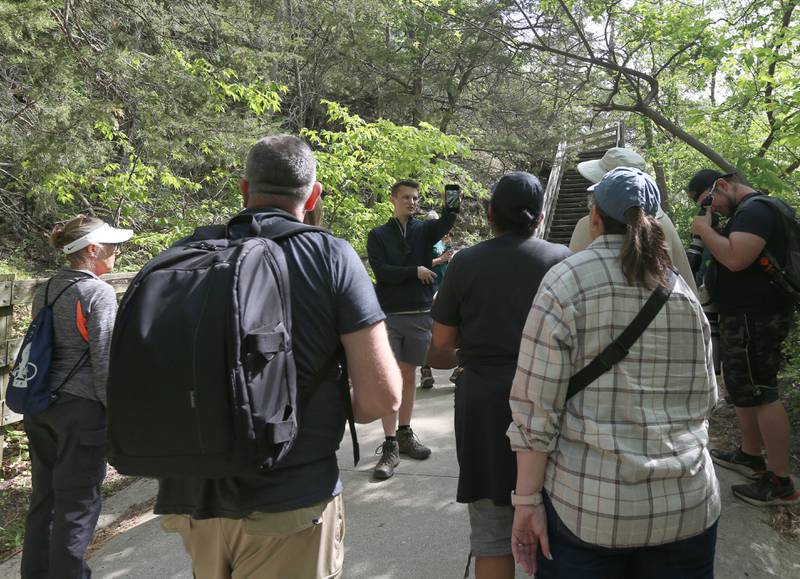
(661, 178)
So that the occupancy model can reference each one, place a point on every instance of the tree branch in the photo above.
(671, 127)
(577, 28)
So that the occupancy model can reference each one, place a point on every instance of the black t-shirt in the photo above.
(488, 292)
(331, 294)
(750, 290)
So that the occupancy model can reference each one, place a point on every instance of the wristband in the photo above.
(533, 500)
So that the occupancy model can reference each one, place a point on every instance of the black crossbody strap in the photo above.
(619, 348)
(344, 380)
(340, 359)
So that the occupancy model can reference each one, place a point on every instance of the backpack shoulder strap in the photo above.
(776, 204)
(620, 347)
(277, 228)
(208, 232)
(280, 229)
(65, 288)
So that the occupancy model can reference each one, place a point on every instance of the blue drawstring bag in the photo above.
(29, 391)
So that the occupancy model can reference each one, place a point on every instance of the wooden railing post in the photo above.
(6, 328)
(551, 191)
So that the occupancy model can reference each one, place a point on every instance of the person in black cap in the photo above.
(478, 318)
(754, 319)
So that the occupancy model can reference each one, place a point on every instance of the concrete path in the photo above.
(410, 526)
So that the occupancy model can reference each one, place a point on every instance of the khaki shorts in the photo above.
(306, 543)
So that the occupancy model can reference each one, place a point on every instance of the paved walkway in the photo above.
(410, 525)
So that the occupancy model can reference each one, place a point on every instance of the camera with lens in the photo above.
(695, 252)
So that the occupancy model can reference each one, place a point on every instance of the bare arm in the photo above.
(736, 252)
(444, 258)
(374, 374)
(529, 530)
(444, 343)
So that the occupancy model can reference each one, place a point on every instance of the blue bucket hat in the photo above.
(623, 188)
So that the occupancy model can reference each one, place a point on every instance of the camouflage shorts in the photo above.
(751, 355)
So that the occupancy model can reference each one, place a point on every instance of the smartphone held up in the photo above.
(452, 197)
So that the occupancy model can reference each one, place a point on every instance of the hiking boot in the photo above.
(409, 444)
(390, 458)
(767, 490)
(456, 373)
(426, 377)
(750, 466)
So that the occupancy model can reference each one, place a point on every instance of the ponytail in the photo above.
(644, 257)
(75, 228)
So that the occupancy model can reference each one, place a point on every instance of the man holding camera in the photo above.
(401, 253)
(755, 317)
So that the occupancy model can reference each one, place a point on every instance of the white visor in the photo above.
(103, 234)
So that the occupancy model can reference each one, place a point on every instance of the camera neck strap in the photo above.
(619, 348)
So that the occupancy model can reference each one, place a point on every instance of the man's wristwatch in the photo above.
(533, 500)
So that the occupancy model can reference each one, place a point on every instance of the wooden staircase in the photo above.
(566, 193)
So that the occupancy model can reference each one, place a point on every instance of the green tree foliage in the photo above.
(359, 162)
(141, 111)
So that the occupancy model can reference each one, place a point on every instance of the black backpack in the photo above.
(202, 376)
(786, 275)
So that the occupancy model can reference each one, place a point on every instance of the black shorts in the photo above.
(751, 355)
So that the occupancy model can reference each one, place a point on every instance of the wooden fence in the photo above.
(19, 294)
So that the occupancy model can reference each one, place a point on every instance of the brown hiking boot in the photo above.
(390, 458)
(410, 445)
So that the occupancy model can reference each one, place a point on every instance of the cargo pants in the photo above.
(67, 446)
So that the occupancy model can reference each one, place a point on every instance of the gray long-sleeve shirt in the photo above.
(98, 308)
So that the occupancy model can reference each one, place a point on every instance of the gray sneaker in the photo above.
(390, 458)
(409, 444)
(750, 466)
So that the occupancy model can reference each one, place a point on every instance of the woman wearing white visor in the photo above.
(67, 441)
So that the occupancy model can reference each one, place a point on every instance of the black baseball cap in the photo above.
(518, 197)
(703, 180)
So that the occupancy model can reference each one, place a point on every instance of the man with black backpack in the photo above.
(285, 518)
(755, 315)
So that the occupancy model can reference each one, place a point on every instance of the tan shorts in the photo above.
(306, 543)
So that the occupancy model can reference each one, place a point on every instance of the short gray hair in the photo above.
(281, 165)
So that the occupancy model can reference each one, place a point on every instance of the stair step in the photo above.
(559, 219)
(573, 190)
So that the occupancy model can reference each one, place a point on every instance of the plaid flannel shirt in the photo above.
(628, 461)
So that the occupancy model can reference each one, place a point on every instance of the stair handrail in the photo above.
(551, 191)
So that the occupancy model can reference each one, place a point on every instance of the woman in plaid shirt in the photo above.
(630, 489)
